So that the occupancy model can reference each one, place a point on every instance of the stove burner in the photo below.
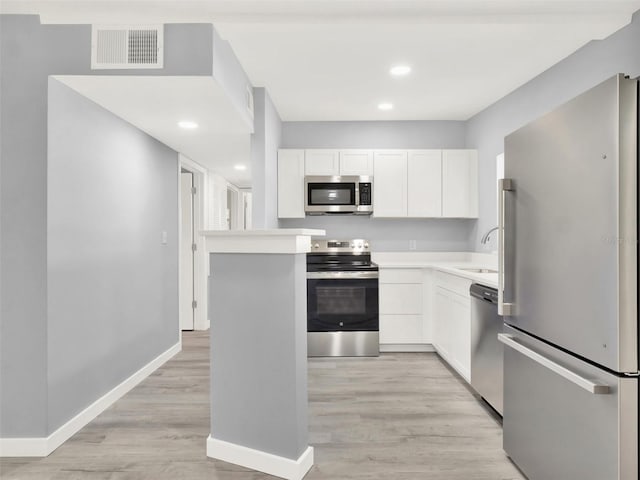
(340, 255)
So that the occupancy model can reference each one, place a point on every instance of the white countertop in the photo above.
(448, 262)
(281, 240)
(278, 232)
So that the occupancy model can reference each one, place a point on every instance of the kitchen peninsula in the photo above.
(257, 308)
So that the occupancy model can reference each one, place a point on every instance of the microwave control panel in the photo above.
(365, 193)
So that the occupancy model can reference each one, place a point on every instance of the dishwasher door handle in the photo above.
(584, 383)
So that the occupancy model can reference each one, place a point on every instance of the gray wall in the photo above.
(112, 287)
(587, 67)
(265, 142)
(259, 353)
(384, 234)
(228, 72)
(393, 134)
(29, 52)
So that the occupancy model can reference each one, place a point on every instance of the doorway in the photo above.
(194, 269)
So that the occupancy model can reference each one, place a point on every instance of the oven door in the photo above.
(342, 301)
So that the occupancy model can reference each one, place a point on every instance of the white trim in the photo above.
(24, 447)
(407, 347)
(261, 461)
(200, 272)
(43, 446)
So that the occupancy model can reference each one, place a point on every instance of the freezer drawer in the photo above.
(560, 422)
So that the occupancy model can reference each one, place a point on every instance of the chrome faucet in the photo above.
(486, 236)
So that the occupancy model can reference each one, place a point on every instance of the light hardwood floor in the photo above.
(397, 417)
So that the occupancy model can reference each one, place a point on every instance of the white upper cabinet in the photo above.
(460, 183)
(321, 162)
(356, 162)
(390, 183)
(338, 162)
(406, 183)
(424, 181)
(291, 183)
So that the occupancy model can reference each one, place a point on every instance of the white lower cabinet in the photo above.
(400, 329)
(422, 309)
(401, 298)
(452, 322)
(402, 301)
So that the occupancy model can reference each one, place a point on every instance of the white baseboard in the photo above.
(43, 446)
(406, 347)
(261, 461)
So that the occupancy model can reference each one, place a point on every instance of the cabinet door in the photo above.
(424, 183)
(399, 329)
(460, 183)
(400, 298)
(390, 184)
(442, 324)
(427, 306)
(291, 184)
(460, 311)
(356, 162)
(321, 162)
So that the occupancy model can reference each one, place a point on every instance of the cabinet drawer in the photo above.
(400, 275)
(400, 299)
(454, 283)
(401, 329)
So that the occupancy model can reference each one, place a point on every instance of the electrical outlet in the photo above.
(412, 244)
(164, 238)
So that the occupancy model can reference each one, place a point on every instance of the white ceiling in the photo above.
(329, 59)
(156, 104)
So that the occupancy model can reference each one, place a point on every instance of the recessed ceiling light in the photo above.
(187, 124)
(400, 70)
(385, 106)
(240, 167)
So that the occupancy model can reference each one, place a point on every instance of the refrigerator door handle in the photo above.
(504, 309)
(584, 383)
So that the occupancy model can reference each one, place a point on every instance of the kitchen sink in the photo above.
(478, 270)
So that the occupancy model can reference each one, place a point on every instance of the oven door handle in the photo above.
(341, 275)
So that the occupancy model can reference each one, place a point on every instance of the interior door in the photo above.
(570, 256)
(186, 252)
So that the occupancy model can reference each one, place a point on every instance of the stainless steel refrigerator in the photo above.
(569, 288)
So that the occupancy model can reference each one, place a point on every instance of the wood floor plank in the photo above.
(399, 416)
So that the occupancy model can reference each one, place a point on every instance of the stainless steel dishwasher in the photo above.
(486, 350)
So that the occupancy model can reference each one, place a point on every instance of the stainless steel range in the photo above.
(342, 299)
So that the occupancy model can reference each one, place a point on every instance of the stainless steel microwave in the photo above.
(338, 194)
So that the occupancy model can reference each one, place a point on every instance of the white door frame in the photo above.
(186, 293)
(200, 321)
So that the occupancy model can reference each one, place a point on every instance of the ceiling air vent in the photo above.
(126, 46)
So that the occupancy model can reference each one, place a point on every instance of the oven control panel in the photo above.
(357, 245)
